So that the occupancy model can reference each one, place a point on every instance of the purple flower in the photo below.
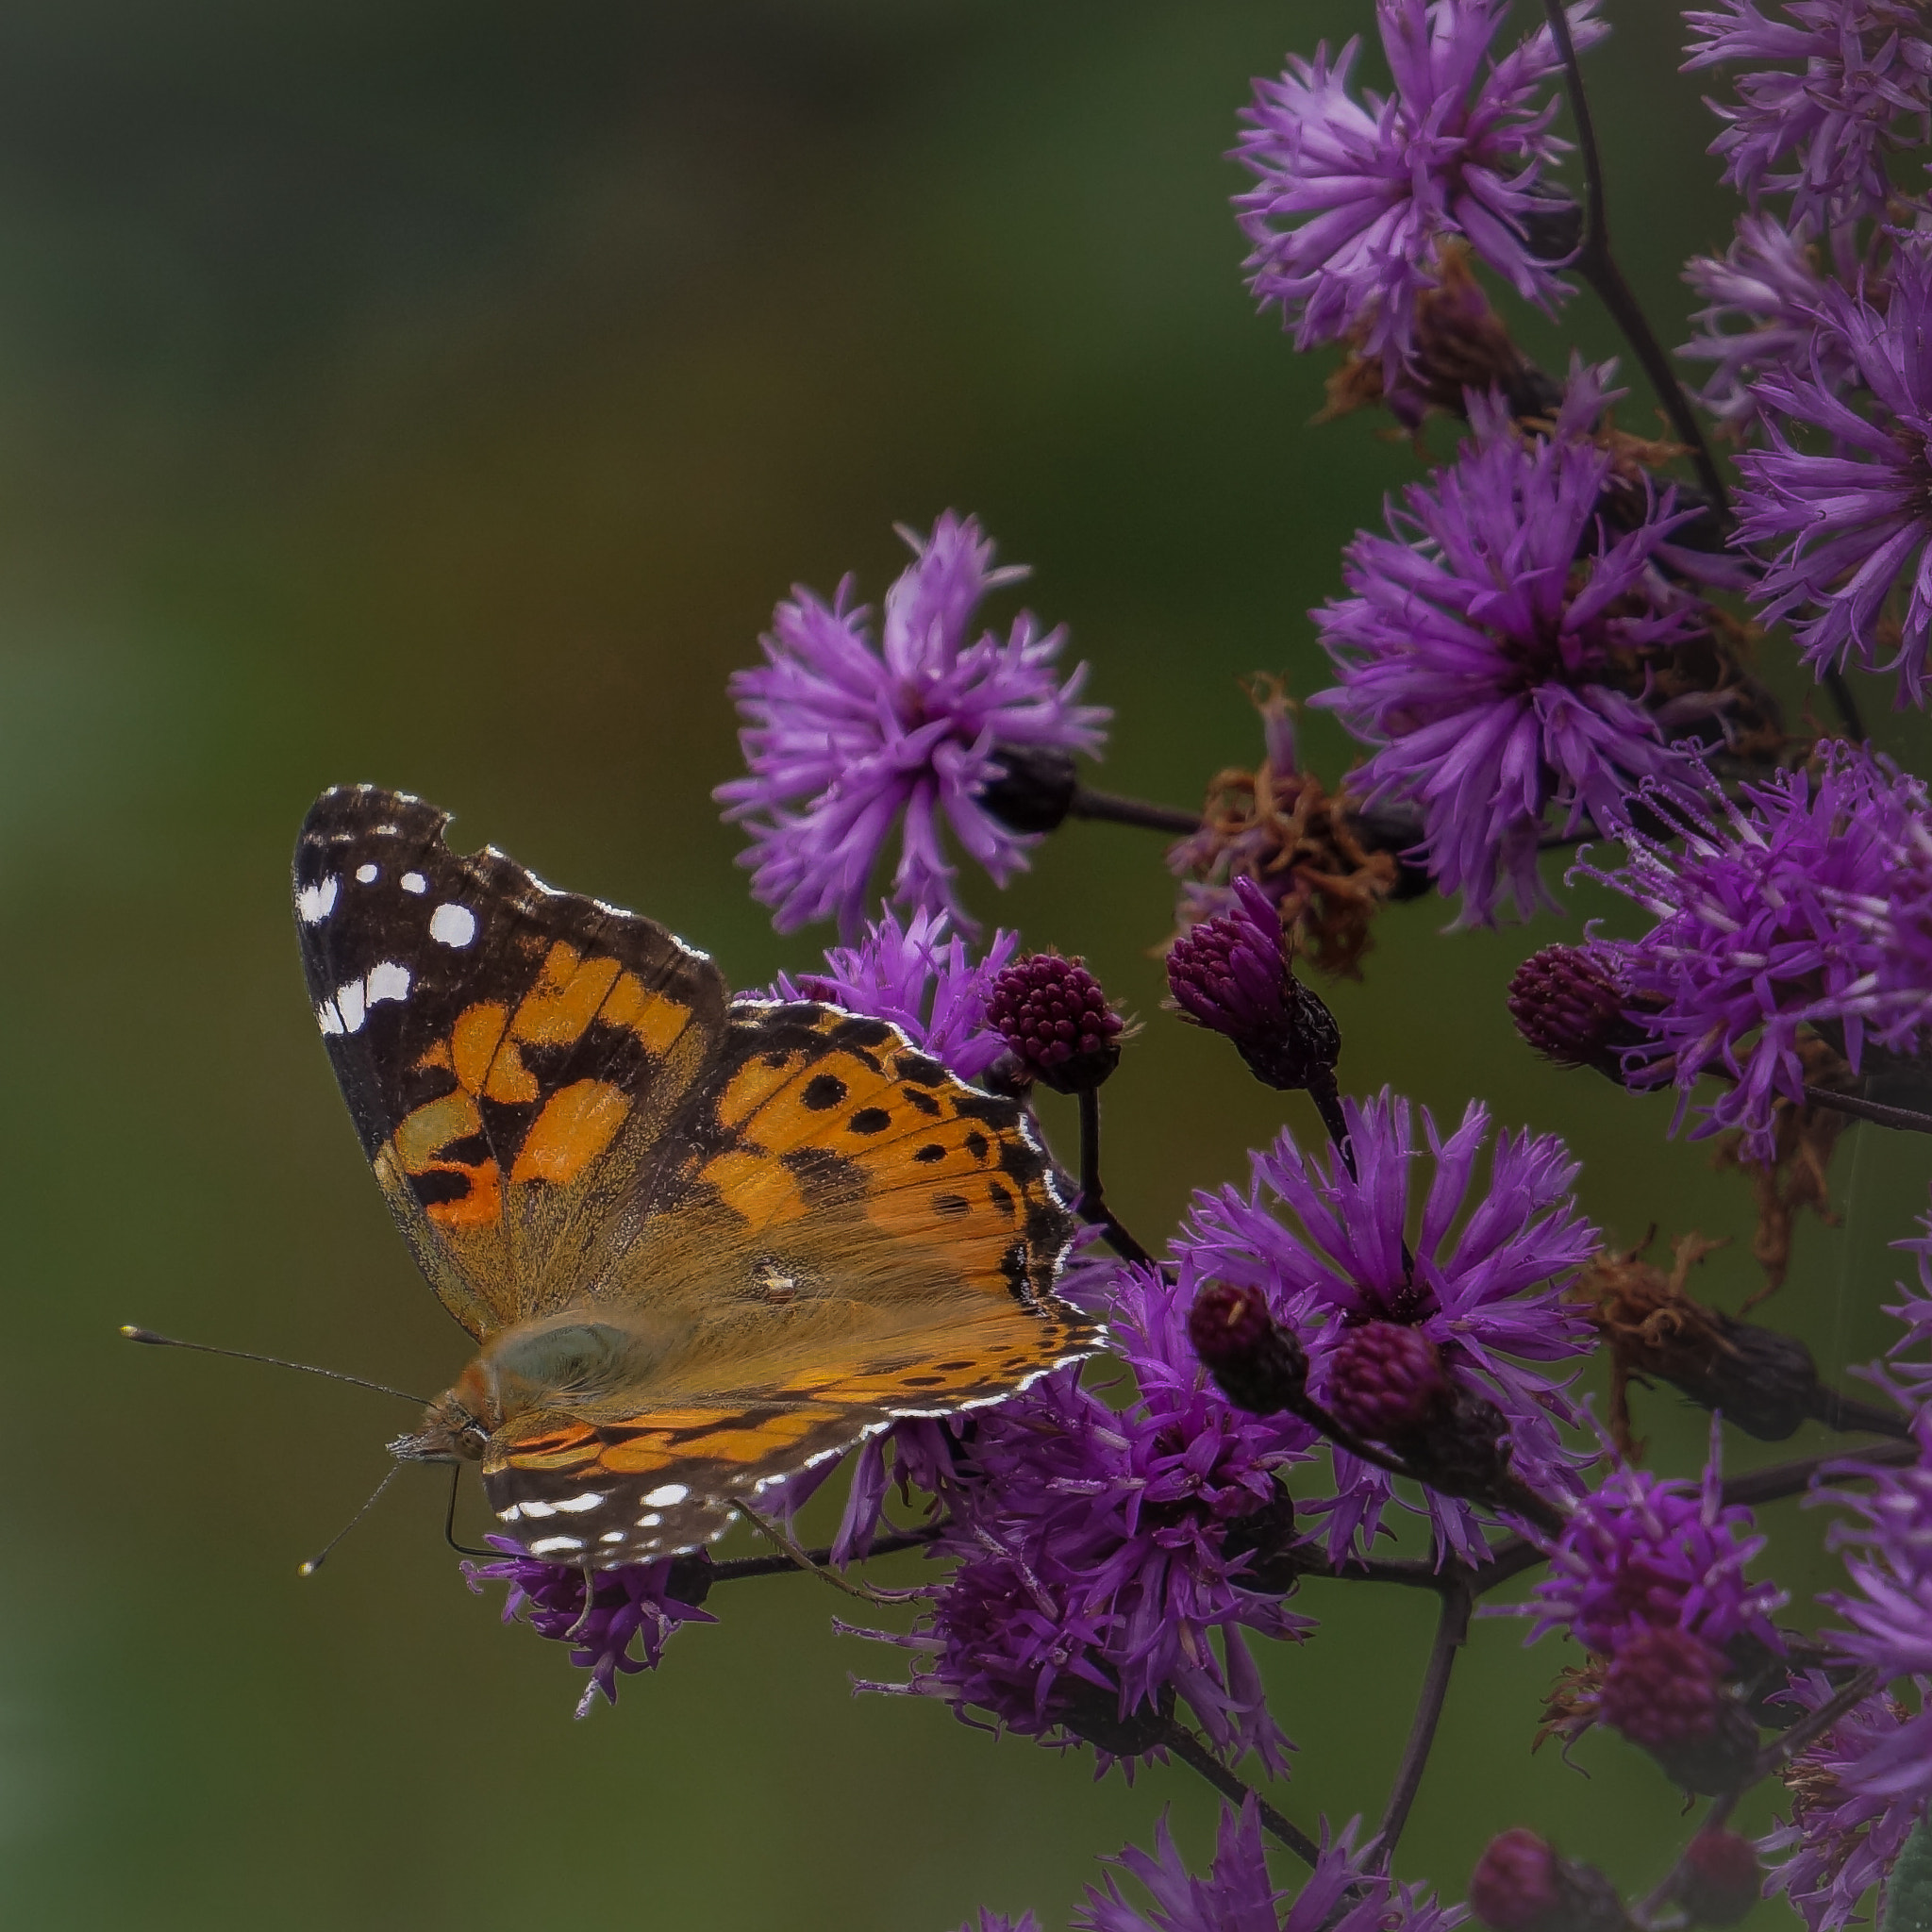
(1763, 295)
(1054, 1016)
(1797, 905)
(1098, 1548)
(1851, 88)
(641, 1602)
(1852, 524)
(841, 737)
(921, 978)
(1238, 1896)
(1568, 1003)
(1643, 1551)
(1484, 1280)
(1888, 1530)
(1663, 1689)
(1497, 677)
(1354, 198)
(1904, 1374)
(997, 1922)
(1844, 1834)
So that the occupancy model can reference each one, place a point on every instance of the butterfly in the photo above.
(701, 1242)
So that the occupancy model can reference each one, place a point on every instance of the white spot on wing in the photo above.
(650, 1522)
(612, 1536)
(327, 1018)
(545, 1544)
(365, 874)
(455, 926)
(315, 902)
(351, 1004)
(534, 1508)
(389, 981)
(415, 882)
(589, 1500)
(510, 1513)
(665, 1494)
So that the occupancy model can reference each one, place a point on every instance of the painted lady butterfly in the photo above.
(701, 1243)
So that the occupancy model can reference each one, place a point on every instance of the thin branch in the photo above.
(1196, 1755)
(1093, 1203)
(1903, 1118)
(1791, 1478)
(1452, 1633)
(1598, 267)
(1775, 1757)
(1131, 812)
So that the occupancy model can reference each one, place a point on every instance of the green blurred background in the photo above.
(441, 394)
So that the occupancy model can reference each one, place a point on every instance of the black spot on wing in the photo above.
(823, 1093)
(869, 1120)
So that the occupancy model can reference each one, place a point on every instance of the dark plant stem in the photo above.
(1196, 1755)
(1093, 1206)
(1598, 267)
(1452, 1633)
(1131, 812)
(1326, 1095)
(1840, 694)
(1904, 1118)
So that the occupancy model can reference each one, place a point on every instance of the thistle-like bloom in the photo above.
(1644, 1551)
(1849, 526)
(1794, 904)
(1851, 85)
(1356, 198)
(1098, 1548)
(1483, 1278)
(642, 1603)
(1887, 1530)
(1764, 294)
(921, 977)
(843, 736)
(1907, 1368)
(1342, 1895)
(1844, 1833)
(1499, 677)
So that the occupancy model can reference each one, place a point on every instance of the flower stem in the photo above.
(1904, 1118)
(1452, 1633)
(1196, 1755)
(1131, 812)
(1598, 267)
(1093, 1203)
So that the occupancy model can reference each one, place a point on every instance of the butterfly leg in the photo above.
(578, 1628)
(866, 1592)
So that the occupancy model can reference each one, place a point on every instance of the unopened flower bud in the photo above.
(1722, 1879)
(1666, 1690)
(1258, 1365)
(1569, 1003)
(1032, 787)
(1520, 1885)
(1267, 1536)
(1385, 1381)
(1057, 1021)
(1231, 973)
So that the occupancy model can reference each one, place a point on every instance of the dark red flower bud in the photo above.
(1385, 1380)
(1057, 1021)
(1520, 1885)
(1569, 1003)
(1720, 1880)
(1260, 1366)
(1666, 1690)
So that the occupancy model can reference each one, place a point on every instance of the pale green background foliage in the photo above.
(441, 394)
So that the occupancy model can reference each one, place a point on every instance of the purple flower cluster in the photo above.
(1907, 1369)
(1807, 901)
(1764, 295)
(1483, 1279)
(1498, 675)
(1887, 1530)
(1850, 86)
(844, 737)
(1845, 1830)
(924, 979)
(631, 1605)
(1642, 1552)
(1098, 1548)
(1354, 198)
(1849, 525)
(1343, 1893)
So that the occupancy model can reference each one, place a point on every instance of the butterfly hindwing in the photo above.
(512, 1056)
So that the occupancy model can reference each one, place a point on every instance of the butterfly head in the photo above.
(457, 1426)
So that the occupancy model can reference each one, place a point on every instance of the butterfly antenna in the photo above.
(242, 1354)
(449, 1519)
(315, 1563)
